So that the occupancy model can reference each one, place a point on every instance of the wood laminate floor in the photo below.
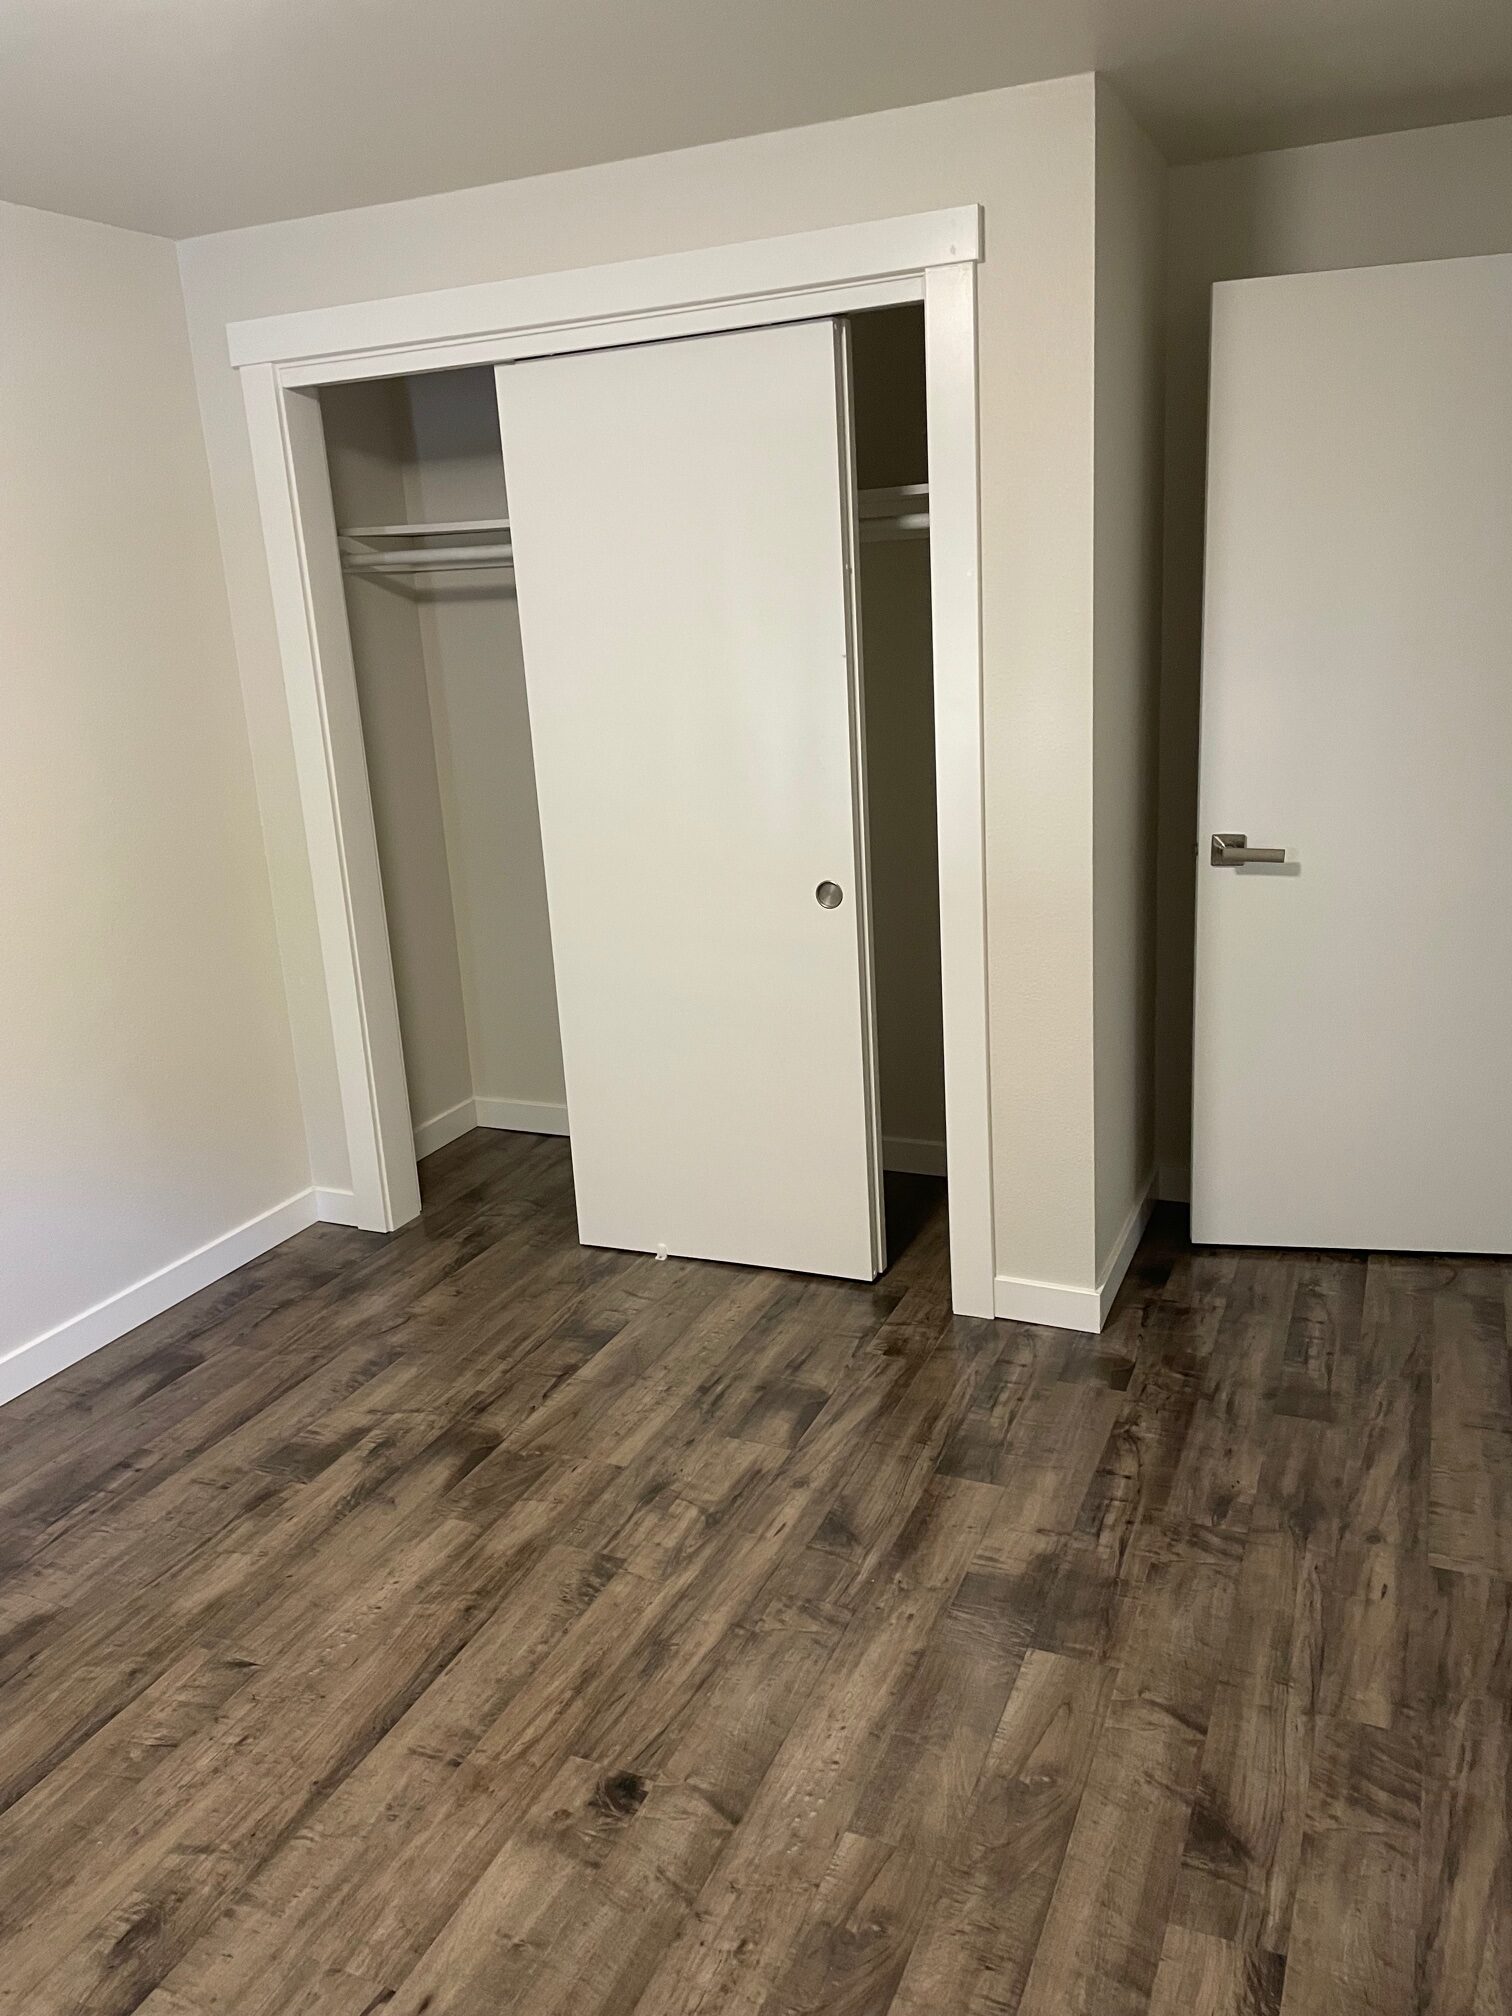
(467, 1622)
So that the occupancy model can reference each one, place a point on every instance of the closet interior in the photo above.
(419, 486)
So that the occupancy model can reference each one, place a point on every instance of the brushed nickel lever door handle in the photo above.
(1232, 850)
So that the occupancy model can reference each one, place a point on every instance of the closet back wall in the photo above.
(441, 686)
(470, 626)
(887, 378)
(446, 726)
(369, 446)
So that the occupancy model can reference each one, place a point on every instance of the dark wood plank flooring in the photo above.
(467, 1622)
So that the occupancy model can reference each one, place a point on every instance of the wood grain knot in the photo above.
(621, 1793)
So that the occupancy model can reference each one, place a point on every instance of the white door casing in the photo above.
(683, 523)
(835, 271)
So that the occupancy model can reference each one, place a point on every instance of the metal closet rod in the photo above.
(431, 560)
(427, 559)
(898, 511)
(429, 530)
(892, 499)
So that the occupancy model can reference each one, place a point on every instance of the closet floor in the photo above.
(468, 1622)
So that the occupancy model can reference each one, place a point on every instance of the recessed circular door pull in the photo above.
(829, 895)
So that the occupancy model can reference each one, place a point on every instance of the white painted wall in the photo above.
(1029, 157)
(146, 1079)
(1435, 193)
(1131, 180)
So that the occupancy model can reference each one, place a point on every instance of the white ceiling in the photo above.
(182, 116)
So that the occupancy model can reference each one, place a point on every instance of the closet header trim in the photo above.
(675, 293)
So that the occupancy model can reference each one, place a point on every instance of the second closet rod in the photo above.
(434, 529)
(432, 559)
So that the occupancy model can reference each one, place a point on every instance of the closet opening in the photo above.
(673, 418)
(417, 481)
(661, 535)
(898, 692)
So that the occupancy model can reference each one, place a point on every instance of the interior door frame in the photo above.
(283, 360)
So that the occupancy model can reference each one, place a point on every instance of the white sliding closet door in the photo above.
(683, 524)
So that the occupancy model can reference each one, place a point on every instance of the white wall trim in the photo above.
(913, 1157)
(27, 1365)
(1061, 1308)
(443, 1128)
(524, 1116)
(955, 594)
(811, 274)
(325, 724)
(1048, 1303)
(520, 1116)
(565, 310)
(910, 1156)
(1125, 1246)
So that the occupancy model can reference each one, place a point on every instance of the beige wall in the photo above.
(147, 1096)
(1437, 193)
(1027, 156)
(1131, 182)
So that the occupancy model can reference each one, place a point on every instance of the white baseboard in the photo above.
(335, 1207)
(27, 1365)
(1125, 1246)
(1063, 1308)
(521, 1116)
(444, 1128)
(524, 1116)
(1046, 1302)
(911, 1157)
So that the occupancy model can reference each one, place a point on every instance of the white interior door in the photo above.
(1354, 1003)
(683, 524)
